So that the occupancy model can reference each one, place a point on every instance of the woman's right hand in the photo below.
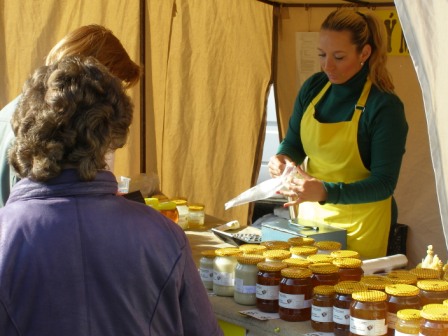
(277, 164)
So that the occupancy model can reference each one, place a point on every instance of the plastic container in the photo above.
(341, 305)
(276, 245)
(435, 321)
(303, 251)
(408, 322)
(324, 274)
(246, 271)
(268, 285)
(400, 296)
(432, 291)
(327, 246)
(206, 268)
(276, 255)
(224, 270)
(349, 269)
(368, 313)
(196, 215)
(296, 293)
(322, 308)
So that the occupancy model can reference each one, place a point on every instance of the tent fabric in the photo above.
(424, 27)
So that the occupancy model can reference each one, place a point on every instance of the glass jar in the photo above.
(402, 277)
(324, 274)
(341, 305)
(320, 259)
(252, 249)
(276, 245)
(168, 209)
(246, 271)
(432, 291)
(376, 282)
(368, 313)
(400, 296)
(349, 269)
(268, 285)
(425, 273)
(408, 322)
(296, 293)
(435, 321)
(182, 209)
(224, 270)
(276, 255)
(297, 262)
(303, 251)
(196, 215)
(322, 308)
(327, 246)
(206, 268)
(345, 254)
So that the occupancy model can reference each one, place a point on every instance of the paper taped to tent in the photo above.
(200, 108)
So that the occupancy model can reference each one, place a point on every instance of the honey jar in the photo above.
(246, 271)
(324, 274)
(224, 270)
(322, 308)
(268, 285)
(349, 269)
(368, 313)
(400, 296)
(341, 305)
(408, 322)
(296, 293)
(196, 215)
(435, 320)
(432, 291)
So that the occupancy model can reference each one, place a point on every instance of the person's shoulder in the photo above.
(382, 98)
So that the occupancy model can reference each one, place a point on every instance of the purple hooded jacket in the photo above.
(77, 260)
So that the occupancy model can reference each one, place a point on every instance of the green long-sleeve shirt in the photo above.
(381, 139)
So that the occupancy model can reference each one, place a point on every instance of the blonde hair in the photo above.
(99, 42)
(365, 29)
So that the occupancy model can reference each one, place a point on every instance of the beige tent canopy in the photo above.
(200, 109)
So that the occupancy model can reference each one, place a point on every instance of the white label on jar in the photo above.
(391, 320)
(321, 314)
(223, 278)
(368, 327)
(341, 316)
(241, 288)
(267, 292)
(206, 274)
(293, 301)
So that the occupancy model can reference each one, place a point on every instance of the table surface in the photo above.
(225, 308)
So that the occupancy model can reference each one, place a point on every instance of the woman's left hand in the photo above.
(304, 188)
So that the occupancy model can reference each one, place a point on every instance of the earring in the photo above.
(362, 63)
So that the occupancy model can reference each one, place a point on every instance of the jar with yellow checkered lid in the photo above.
(432, 291)
(400, 296)
(224, 270)
(206, 267)
(350, 269)
(435, 320)
(268, 283)
(324, 274)
(246, 271)
(302, 251)
(408, 322)
(276, 255)
(322, 308)
(368, 313)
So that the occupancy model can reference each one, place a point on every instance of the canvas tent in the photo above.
(208, 65)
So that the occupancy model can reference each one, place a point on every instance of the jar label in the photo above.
(206, 274)
(391, 320)
(367, 327)
(223, 279)
(245, 289)
(341, 316)
(293, 301)
(267, 292)
(321, 314)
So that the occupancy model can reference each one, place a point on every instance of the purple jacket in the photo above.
(77, 260)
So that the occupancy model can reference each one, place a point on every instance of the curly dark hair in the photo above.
(70, 115)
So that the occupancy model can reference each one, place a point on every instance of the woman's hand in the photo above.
(304, 188)
(277, 164)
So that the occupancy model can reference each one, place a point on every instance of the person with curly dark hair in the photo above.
(90, 40)
(76, 258)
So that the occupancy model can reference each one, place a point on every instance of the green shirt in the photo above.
(381, 137)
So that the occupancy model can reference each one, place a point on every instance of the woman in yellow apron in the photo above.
(348, 132)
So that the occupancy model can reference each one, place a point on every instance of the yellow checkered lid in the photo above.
(320, 258)
(347, 262)
(377, 282)
(401, 290)
(276, 245)
(296, 272)
(277, 254)
(344, 254)
(370, 296)
(436, 312)
(253, 248)
(271, 266)
(409, 314)
(350, 287)
(327, 245)
(297, 262)
(303, 250)
(433, 285)
(228, 251)
(425, 273)
(402, 277)
(301, 241)
(323, 268)
(249, 259)
(324, 290)
(209, 253)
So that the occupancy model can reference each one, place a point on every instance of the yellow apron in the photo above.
(333, 156)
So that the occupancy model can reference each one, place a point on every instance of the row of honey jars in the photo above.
(432, 320)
